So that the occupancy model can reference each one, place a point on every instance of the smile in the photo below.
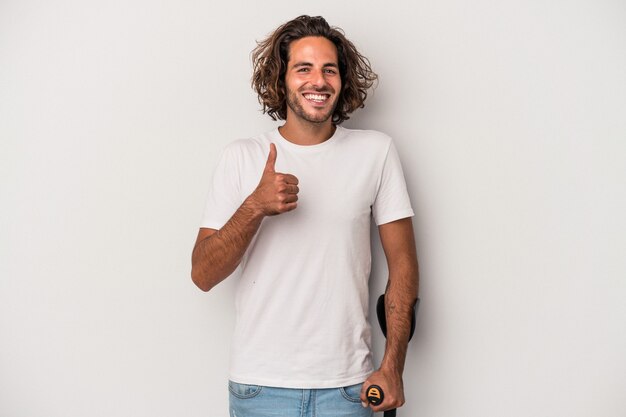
(317, 98)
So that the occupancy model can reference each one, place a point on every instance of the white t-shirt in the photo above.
(302, 295)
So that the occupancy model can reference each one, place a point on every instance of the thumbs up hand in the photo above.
(276, 193)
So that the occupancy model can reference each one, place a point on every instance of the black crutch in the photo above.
(375, 394)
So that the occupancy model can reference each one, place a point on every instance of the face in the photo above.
(312, 79)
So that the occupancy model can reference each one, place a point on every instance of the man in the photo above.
(292, 209)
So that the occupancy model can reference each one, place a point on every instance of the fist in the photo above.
(392, 386)
(276, 193)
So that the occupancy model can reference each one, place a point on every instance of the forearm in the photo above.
(218, 255)
(400, 297)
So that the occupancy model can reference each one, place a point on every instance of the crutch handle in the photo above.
(375, 395)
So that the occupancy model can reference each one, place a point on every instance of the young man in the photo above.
(292, 209)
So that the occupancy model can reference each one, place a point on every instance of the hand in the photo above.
(276, 193)
(392, 386)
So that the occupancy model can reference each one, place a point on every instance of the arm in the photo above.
(402, 289)
(217, 253)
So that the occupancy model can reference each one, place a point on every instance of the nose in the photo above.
(317, 78)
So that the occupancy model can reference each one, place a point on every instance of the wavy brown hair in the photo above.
(270, 59)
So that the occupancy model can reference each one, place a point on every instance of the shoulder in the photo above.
(246, 148)
(243, 145)
(367, 135)
(373, 139)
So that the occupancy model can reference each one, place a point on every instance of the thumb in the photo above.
(271, 159)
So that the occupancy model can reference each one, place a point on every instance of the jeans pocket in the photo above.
(243, 391)
(352, 393)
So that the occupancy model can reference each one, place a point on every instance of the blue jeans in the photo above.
(260, 401)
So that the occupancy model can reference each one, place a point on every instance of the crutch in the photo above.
(375, 394)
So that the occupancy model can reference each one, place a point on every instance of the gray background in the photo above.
(510, 118)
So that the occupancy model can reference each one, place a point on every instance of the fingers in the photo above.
(287, 198)
(291, 189)
(386, 394)
(289, 206)
(270, 165)
(290, 179)
(364, 401)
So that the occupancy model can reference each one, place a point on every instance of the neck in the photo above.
(306, 133)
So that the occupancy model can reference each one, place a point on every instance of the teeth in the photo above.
(316, 97)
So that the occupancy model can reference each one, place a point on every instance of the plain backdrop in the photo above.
(510, 119)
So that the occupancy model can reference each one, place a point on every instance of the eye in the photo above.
(303, 69)
(330, 71)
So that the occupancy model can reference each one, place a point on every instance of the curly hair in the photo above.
(270, 59)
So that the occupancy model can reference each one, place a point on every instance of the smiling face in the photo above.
(312, 79)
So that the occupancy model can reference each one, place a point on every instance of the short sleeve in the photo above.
(223, 198)
(392, 199)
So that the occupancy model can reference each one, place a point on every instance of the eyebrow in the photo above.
(308, 64)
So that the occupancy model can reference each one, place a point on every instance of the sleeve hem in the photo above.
(396, 215)
(209, 225)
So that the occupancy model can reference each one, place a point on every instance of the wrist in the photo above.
(252, 206)
(392, 367)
